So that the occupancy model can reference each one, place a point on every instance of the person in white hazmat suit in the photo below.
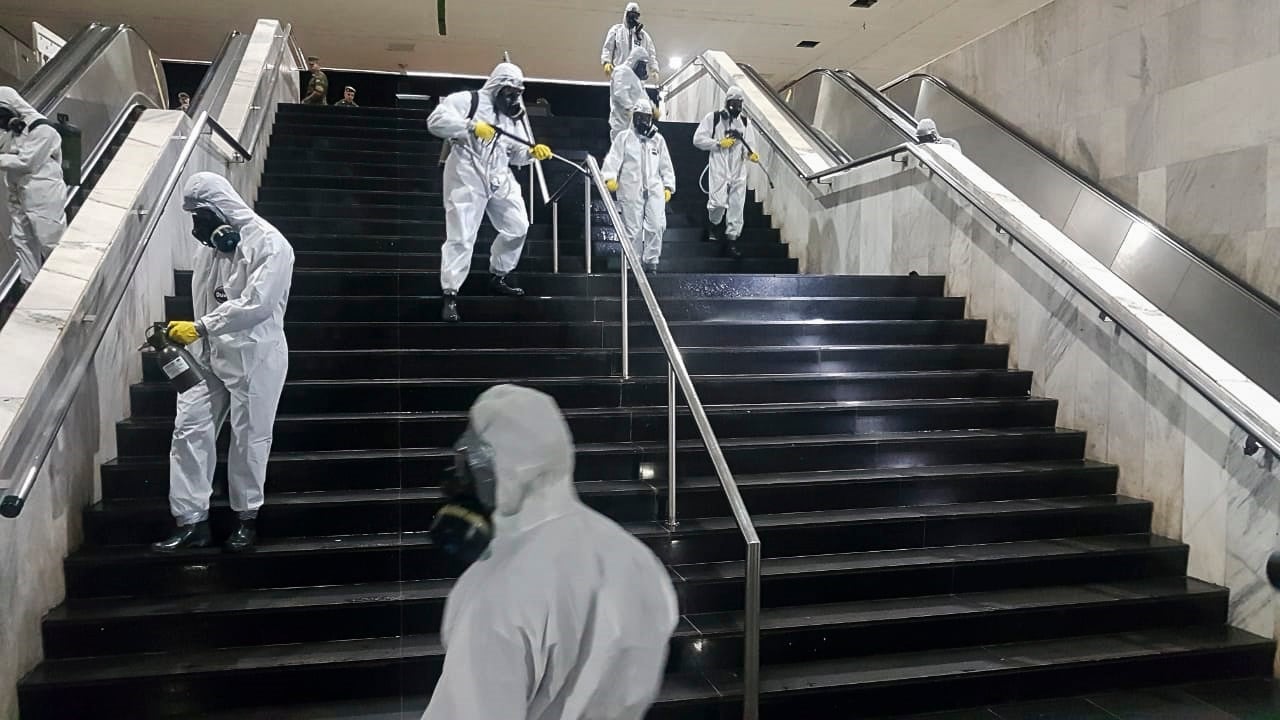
(927, 131)
(239, 291)
(624, 36)
(626, 89)
(727, 135)
(565, 616)
(32, 165)
(638, 168)
(478, 181)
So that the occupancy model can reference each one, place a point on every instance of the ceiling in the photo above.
(554, 38)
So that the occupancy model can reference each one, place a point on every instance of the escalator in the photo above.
(101, 80)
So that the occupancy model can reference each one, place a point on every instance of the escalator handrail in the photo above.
(197, 97)
(1229, 401)
(1194, 254)
(821, 138)
(61, 71)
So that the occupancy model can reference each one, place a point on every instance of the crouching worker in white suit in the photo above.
(239, 290)
(478, 181)
(565, 616)
(638, 168)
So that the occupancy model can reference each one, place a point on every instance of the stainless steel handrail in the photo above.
(217, 78)
(679, 373)
(64, 392)
(261, 101)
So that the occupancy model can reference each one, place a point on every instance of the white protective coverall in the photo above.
(239, 302)
(625, 91)
(33, 170)
(727, 167)
(568, 616)
(478, 180)
(642, 167)
(928, 128)
(619, 41)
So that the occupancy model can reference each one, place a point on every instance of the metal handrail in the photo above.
(678, 373)
(222, 80)
(64, 392)
(1218, 269)
(258, 106)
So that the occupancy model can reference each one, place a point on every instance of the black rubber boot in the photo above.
(244, 537)
(651, 268)
(499, 285)
(449, 306)
(713, 231)
(195, 535)
(730, 248)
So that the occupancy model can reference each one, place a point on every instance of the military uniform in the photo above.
(345, 103)
(319, 84)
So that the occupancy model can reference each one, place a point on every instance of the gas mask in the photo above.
(507, 101)
(633, 20)
(463, 528)
(642, 121)
(927, 131)
(212, 230)
(10, 121)
(733, 107)
(642, 69)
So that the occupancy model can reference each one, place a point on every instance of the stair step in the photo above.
(545, 363)
(342, 431)
(409, 395)
(345, 283)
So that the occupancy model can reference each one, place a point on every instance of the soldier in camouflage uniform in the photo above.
(348, 98)
(318, 86)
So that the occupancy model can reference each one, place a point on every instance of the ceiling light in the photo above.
(807, 44)
(676, 62)
(862, 3)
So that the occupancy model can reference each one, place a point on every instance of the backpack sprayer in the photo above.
(702, 179)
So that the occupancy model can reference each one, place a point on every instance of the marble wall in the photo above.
(1168, 103)
(50, 322)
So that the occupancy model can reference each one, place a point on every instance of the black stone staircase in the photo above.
(931, 539)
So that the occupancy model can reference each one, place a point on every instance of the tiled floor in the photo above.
(1231, 700)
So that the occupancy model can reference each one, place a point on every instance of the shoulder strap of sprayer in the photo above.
(724, 114)
(471, 115)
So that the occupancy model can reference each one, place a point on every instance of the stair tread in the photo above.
(779, 678)
(942, 555)
(834, 406)
(765, 441)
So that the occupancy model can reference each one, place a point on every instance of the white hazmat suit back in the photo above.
(620, 39)
(478, 179)
(625, 91)
(726, 168)
(642, 166)
(568, 616)
(239, 301)
(33, 170)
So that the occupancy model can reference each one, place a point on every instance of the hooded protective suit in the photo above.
(33, 170)
(568, 616)
(239, 302)
(619, 41)
(478, 180)
(625, 90)
(642, 167)
(727, 167)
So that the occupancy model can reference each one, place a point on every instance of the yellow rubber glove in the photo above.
(667, 193)
(540, 152)
(183, 332)
(755, 157)
(657, 113)
(608, 68)
(728, 143)
(484, 131)
(612, 185)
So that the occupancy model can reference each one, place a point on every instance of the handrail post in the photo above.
(751, 635)
(586, 219)
(532, 173)
(555, 237)
(671, 447)
(626, 323)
